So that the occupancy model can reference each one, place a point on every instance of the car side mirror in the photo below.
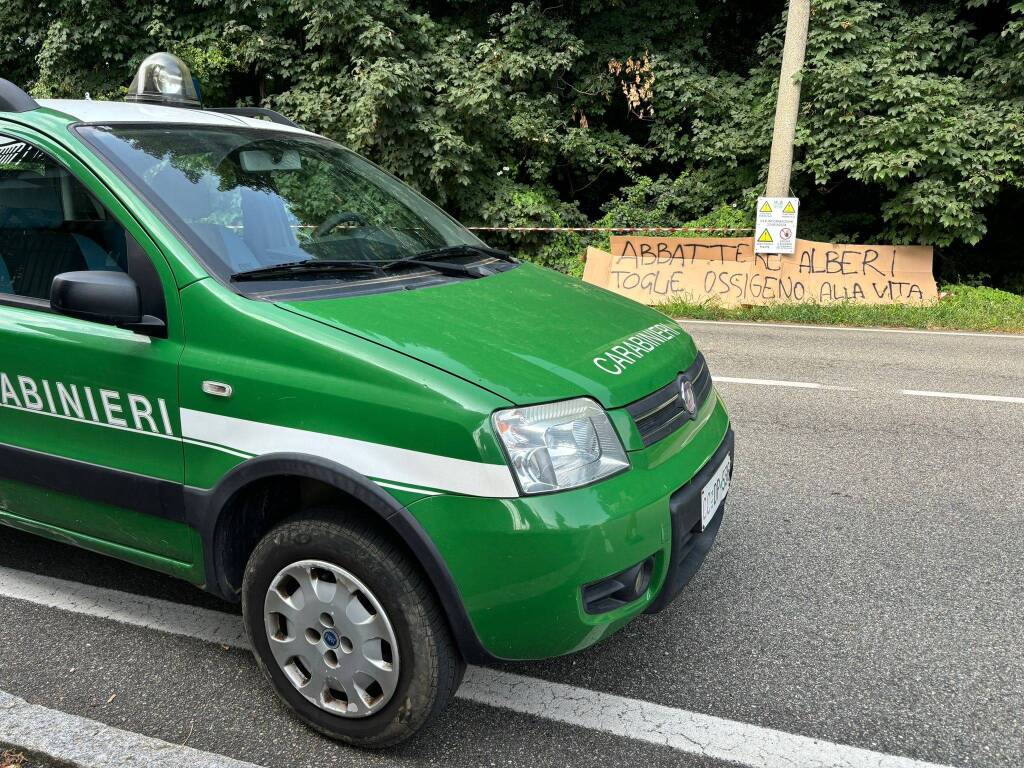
(111, 298)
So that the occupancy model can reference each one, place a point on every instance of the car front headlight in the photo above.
(561, 445)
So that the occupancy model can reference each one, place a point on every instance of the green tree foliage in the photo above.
(615, 112)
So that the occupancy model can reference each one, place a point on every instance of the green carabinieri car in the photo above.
(240, 354)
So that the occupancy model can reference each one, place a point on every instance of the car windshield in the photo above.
(246, 199)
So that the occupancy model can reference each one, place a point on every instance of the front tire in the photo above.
(348, 630)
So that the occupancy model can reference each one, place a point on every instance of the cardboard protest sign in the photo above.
(654, 270)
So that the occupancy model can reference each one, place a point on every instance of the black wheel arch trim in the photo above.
(204, 508)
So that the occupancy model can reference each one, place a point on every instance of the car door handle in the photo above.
(217, 388)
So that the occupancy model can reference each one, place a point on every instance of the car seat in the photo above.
(33, 248)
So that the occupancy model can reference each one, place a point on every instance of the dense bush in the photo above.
(626, 113)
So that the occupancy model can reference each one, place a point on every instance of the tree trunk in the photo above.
(787, 107)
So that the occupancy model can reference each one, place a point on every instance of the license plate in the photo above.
(714, 493)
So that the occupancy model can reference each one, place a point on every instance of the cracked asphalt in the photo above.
(866, 588)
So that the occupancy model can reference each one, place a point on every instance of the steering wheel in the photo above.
(335, 219)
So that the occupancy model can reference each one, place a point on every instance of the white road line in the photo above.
(767, 382)
(831, 388)
(87, 743)
(961, 396)
(713, 737)
(691, 732)
(175, 618)
(796, 326)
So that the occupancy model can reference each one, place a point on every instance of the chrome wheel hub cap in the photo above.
(332, 639)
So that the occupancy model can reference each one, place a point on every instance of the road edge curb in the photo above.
(83, 743)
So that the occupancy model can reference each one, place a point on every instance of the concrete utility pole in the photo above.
(780, 166)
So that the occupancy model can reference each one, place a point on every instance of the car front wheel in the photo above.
(348, 630)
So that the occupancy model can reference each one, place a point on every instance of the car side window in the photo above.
(49, 224)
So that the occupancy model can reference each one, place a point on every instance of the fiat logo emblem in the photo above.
(687, 395)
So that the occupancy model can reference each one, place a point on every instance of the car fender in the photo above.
(204, 510)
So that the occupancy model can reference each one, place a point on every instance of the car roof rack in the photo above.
(271, 115)
(13, 99)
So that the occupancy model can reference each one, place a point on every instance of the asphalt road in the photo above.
(866, 588)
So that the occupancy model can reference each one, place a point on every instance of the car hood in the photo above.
(529, 334)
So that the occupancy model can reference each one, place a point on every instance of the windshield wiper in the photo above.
(306, 267)
(464, 249)
(432, 258)
(429, 258)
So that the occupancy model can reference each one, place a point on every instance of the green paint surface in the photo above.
(520, 563)
(419, 370)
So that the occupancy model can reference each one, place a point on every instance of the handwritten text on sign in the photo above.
(654, 270)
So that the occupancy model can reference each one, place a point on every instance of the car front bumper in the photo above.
(690, 544)
(520, 564)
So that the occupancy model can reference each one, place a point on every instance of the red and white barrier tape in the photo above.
(611, 229)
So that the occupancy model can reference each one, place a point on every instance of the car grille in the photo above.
(662, 412)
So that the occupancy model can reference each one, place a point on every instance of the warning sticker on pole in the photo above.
(775, 231)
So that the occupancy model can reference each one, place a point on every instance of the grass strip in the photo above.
(961, 308)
